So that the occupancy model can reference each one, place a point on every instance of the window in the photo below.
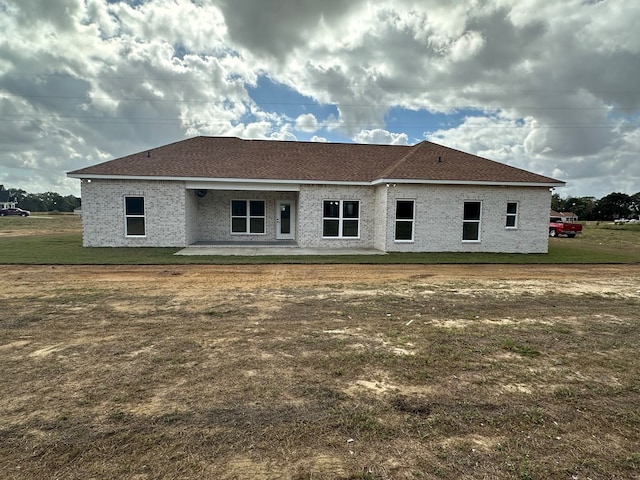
(471, 222)
(512, 215)
(404, 220)
(134, 216)
(341, 219)
(248, 216)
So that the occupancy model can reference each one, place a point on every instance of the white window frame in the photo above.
(512, 215)
(412, 221)
(470, 221)
(127, 216)
(341, 219)
(248, 217)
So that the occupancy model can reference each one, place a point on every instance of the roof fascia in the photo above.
(226, 183)
(384, 181)
(211, 181)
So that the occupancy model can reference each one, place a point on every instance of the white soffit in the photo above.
(280, 187)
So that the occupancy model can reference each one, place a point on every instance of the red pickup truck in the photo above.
(558, 227)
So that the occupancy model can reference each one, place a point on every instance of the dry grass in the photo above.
(307, 372)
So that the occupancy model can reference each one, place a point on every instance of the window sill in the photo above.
(340, 238)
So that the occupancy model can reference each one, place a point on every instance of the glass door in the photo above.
(285, 220)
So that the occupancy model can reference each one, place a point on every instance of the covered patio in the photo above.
(241, 215)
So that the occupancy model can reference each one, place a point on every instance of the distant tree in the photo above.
(613, 206)
(32, 202)
(44, 202)
(635, 205)
(52, 201)
(71, 203)
(583, 207)
(16, 195)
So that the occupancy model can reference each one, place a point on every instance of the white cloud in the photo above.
(466, 46)
(307, 122)
(493, 137)
(260, 130)
(380, 136)
(284, 133)
(316, 138)
(288, 136)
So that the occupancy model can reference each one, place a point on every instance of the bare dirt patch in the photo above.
(320, 371)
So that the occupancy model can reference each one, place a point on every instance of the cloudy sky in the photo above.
(549, 86)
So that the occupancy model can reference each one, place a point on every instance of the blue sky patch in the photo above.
(419, 123)
(276, 97)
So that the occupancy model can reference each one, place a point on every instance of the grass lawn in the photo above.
(56, 239)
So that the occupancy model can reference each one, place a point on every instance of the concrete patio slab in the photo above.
(249, 251)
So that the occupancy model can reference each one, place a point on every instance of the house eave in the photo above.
(294, 185)
(221, 183)
(396, 181)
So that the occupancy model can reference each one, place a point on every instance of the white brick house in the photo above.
(5, 199)
(217, 190)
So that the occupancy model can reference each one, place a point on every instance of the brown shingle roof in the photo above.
(234, 158)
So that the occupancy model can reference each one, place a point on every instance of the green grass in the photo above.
(56, 240)
(520, 349)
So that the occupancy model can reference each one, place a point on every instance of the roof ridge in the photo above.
(401, 160)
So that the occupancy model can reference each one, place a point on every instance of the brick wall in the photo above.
(381, 220)
(439, 214)
(192, 221)
(177, 217)
(103, 213)
(310, 211)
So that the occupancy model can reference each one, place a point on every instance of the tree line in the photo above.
(611, 207)
(43, 202)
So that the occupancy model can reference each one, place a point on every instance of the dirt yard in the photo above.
(280, 276)
(320, 372)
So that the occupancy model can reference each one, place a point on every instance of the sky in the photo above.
(549, 86)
